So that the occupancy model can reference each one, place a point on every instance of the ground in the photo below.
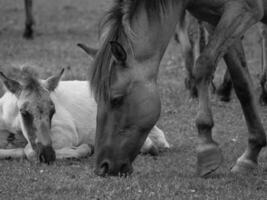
(59, 26)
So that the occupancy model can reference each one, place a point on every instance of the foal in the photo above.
(57, 118)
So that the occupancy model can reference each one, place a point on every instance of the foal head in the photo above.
(36, 109)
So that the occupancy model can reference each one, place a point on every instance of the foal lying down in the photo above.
(57, 118)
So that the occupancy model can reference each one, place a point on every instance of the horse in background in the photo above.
(29, 20)
(55, 118)
(124, 77)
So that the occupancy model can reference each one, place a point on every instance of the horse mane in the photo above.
(116, 27)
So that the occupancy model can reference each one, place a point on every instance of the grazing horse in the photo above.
(57, 119)
(124, 77)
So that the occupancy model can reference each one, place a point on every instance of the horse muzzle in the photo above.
(46, 154)
(110, 168)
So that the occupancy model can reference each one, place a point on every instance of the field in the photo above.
(59, 26)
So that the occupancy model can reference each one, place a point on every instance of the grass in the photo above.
(59, 26)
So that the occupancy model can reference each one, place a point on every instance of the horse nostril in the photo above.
(125, 169)
(103, 169)
(47, 154)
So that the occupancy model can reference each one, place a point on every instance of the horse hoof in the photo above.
(28, 34)
(209, 158)
(244, 167)
(153, 151)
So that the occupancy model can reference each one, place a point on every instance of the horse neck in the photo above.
(154, 31)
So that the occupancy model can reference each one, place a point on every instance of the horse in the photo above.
(55, 118)
(124, 78)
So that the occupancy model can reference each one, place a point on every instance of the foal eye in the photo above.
(116, 101)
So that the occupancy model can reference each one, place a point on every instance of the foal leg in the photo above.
(238, 16)
(74, 152)
(12, 153)
(149, 148)
(236, 62)
(157, 136)
(225, 89)
(28, 32)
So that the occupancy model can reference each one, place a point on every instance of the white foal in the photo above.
(57, 118)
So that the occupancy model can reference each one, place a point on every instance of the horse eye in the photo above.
(116, 101)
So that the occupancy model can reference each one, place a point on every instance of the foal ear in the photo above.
(11, 85)
(52, 82)
(118, 51)
(89, 50)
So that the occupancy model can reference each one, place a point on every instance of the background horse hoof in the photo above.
(153, 151)
(209, 158)
(28, 34)
(244, 167)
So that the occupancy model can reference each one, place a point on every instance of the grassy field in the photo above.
(59, 26)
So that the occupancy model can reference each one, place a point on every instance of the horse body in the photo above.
(75, 105)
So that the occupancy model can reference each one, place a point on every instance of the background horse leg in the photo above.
(237, 66)
(238, 16)
(225, 89)
(184, 36)
(263, 79)
(28, 32)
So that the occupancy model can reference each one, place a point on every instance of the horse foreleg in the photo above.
(263, 79)
(236, 62)
(29, 21)
(74, 152)
(238, 16)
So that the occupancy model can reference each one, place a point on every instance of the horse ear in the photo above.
(89, 50)
(52, 82)
(11, 85)
(118, 51)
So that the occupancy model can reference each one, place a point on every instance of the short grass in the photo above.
(59, 26)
